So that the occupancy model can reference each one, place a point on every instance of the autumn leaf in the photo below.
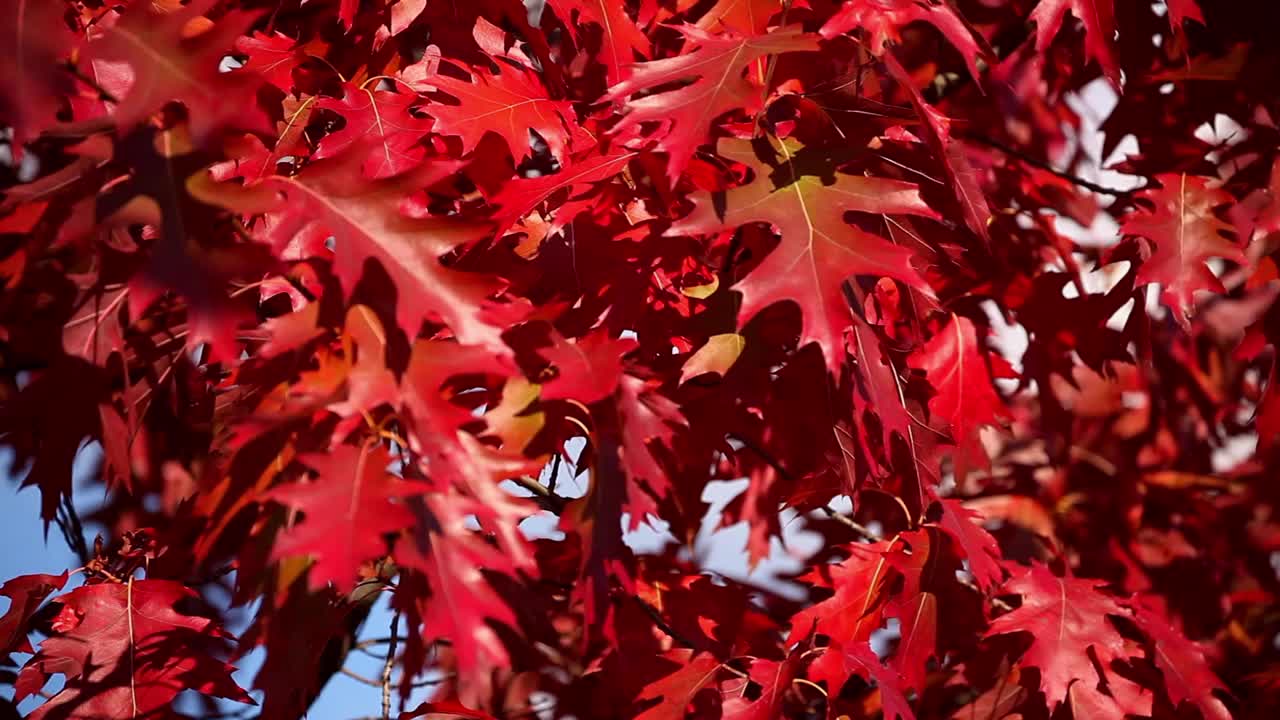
(716, 356)
(346, 511)
(588, 369)
(383, 127)
(510, 103)
(745, 17)
(126, 651)
(1067, 618)
(980, 549)
(271, 55)
(860, 584)
(818, 250)
(958, 373)
(36, 40)
(842, 659)
(1187, 674)
(621, 40)
(966, 184)
(884, 20)
(648, 420)
(367, 222)
(1099, 22)
(169, 63)
(521, 196)
(716, 66)
(694, 672)
(25, 593)
(1179, 221)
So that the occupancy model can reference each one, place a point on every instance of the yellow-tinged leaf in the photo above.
(702, 292)
(716, 356)
(509, 421)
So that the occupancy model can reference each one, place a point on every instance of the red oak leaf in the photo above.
(453, 457)
(716, 67)
(1066, 617)
(366, 222)
(346, 510)
(818, 250)
(842, 659)
(965, 182)
(521, 196)
(880, 384)
(745, 17)
(860, 583)
(980, 549)
(1187, 675)
(462, 603)
(97, 328)
(647, 418)
(126, 651)
(694, 672)
(958, 373)
(884, 20)
(380, 123)
(25, 593)
(1185, 235)
(273, 56)
(918, 641)
(589, 369)
(775, 678)
(621, 41)
(510, 103)
(1099, 26)
(169, 63)
(60, 408)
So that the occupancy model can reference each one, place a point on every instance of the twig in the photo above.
(103, 93)
(388, 666)
(541, 494)
(1035, 162)
(555, 474)
(658, 620)
(770, 65)
(862, 531)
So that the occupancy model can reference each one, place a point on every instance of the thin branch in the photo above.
(771, 65)
(541, 494)
(388, 665)
(861, 530)
(1035, 162)
(103, 93)
(555, 474)
(658, 620)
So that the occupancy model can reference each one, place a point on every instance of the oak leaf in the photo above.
(818, 250)
(1067, 618)
(346, 510)
(716, 67)
(1185, 234)
(383, 127)
(126, 651)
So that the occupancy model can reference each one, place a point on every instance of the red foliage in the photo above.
(342, 293)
